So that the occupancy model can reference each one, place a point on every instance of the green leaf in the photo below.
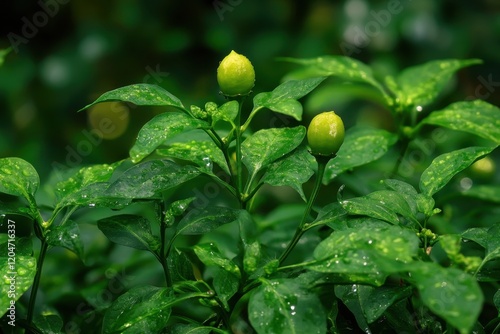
(50, 323)
(140, 94)
(150, 178)
(87, 187)
(477, 117)
(349, 294)
(129, 230)
(285, 306)
(361, 146)
(374, 301)
(292, 170)
(202, 153)
(17, 277)
(484, 192)
(407, 191)
(226, 112)
(448, 292)
(67, 236)
(488, 238)
(267, 145)
(227, 277)
(343, 67)
(382, 204)
(447, 165)
(365, 254)
(283, 99)
(19, 178)
(210, 255)
(204, 220)
(144, 309)
(496, 301)
(419, 85)
(179, 266)
(161, 128)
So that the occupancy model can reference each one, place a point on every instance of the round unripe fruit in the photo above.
(235, 75)
(325, 134)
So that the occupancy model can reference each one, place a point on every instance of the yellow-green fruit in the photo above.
(325, 134)
(235, 75)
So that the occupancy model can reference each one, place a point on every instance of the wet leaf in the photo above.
(268, 145)
(210, 255)
(488, 238)
(150, 178)
(141, 95)
(343, 67)
(349, 295)
(477, 117)
(204, 220)
(50, 323)
(419, 85)
(374, 301)
(285, 306)
(67, 236)
(143, 309)
(366, 254)
(161, 128)
(361, 146)
(447, 165)
(283, 99)
(406, 190)
(19, 178)
(129, 230)
(448, 292)
(203, 153)
(17, 277)
(293, 170)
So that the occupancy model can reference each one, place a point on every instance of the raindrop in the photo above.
(207, 162)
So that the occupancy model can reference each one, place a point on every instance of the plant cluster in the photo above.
(374, 262)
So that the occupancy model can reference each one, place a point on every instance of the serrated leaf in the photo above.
(19, 178)
(361, 146)
(161, 128)
(343, 67)
(448, 292)
(67, 236)
(285, 306)
(447, 165)
(129, 230)
(21, 274)
(202, 153)
(477, 117)
(268, 145)
(144, 309)
(204, 220)
(140, 94)
(150, 178)
(420, 85)
(366, 254)
(283, 99)
(293, 171)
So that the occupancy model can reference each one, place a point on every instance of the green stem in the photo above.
(238, 149)
(36, 281)
(322, 161)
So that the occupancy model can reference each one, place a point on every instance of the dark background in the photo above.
(81, 49)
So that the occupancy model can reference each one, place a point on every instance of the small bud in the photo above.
(235, 75)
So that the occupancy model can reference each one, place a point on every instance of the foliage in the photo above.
(371, 257)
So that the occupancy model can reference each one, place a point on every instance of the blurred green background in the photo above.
(67, 53)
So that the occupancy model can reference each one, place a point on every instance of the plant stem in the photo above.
(322, 161)
(36, 281)
(238, 148)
